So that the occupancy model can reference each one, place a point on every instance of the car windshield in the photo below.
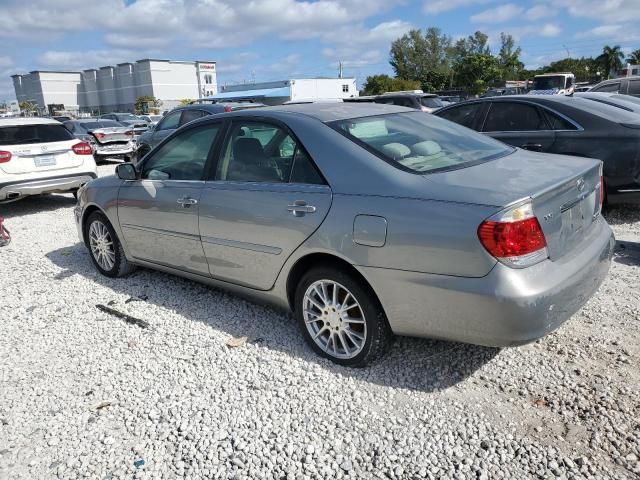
(127, 116)
(27, 134)
(548, 83)
(431, 102)
(421, 143)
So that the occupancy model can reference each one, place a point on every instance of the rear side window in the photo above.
(558, 123)
(513, 117)
(634, 87)
(463, 115)
(28, 134)
(189, 115)
(609, 87)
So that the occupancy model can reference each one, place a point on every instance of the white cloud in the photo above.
(439, 6)
(540, 11)
(499, 14)
(609, 11)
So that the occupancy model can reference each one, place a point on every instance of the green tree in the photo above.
(145, 101)
(611, 59)
(634, 57)
(477, 44)
(186, 101)
(27, 106)
(379, 84)
(422, 58)
(476, 72)
(509, 58)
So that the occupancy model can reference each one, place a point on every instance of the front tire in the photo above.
(341, 318)
(105, 249)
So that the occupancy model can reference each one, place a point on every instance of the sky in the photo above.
(261, 40)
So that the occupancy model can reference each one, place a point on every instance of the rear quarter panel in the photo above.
(422, 235)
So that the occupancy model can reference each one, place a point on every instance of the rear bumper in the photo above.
(63, 183)
(101, 150)
(506, 307)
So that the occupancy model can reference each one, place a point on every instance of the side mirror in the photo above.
(126, 171)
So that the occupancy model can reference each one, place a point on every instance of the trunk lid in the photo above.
(40, 157)
(564, 191)
(111, 134)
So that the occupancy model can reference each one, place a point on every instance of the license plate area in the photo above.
(44, 160)
(577, 216)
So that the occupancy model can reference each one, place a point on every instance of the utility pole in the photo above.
(340, 69)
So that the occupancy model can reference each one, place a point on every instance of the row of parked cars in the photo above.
(366, 219)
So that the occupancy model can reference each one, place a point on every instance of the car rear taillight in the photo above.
(99, 135)
(82, 149)
(227, 108)
(129, 133)
(514, 237)
(4, 156)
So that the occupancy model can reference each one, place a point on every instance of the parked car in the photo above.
(39, 155)
(365, 220)
(625, 86)
(151, 119)
(427, 102)
(182, 115)
(452, 98)
(128, 120)
(107, 138)
(564, 125)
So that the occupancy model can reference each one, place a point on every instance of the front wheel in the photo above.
(341, 318)
(104, 247)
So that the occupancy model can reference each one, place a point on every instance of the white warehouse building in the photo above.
(116, 88)
(296, 90)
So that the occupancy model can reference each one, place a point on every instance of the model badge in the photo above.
(548, 216)
(580, 184)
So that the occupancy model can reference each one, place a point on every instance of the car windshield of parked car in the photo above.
(431, 102)
(421, 143)
(26, 134)
(548, 83)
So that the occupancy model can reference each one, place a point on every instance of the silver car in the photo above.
(365, 220)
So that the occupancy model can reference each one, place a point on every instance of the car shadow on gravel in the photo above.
(627, 253)
(412, 363)
(36, 204)
(622, 214)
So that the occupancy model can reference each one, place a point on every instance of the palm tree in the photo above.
(634, 57)
(611, 58)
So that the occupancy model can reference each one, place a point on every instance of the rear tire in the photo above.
(341, 318)
(105, 249)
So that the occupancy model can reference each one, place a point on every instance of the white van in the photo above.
(553, 84)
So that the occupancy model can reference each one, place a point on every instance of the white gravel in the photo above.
(85, 395)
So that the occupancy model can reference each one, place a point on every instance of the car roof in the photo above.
(329, 112)
(16, 121)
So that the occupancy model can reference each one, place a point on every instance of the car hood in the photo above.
(507, 179)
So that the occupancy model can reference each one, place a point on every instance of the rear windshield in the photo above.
(100, 124)
(26, 134)
(421, 143)
(431, 102)
(127, 116)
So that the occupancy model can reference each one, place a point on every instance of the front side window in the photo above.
(29, 134)
(420, 143)
(513, 117)
(263, 152)
(170, 122)
(183, 157)
(462, 115)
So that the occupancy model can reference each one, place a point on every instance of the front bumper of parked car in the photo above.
(506, 307)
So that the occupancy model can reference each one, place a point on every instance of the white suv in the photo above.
(39, 155)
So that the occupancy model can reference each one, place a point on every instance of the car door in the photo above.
(165, 127)
(520, 124)
(265, 199)
(158, 213)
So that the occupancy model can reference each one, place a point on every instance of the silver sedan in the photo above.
(365, 220)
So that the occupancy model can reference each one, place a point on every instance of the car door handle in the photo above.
(534, 147)
(186, 202)
(300, 207)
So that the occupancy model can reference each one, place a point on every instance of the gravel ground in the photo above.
(84, 394)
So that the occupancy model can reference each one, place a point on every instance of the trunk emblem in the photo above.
(580, 184)
(44, 148)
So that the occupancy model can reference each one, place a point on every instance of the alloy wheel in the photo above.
(101, 245)
(334, 319)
